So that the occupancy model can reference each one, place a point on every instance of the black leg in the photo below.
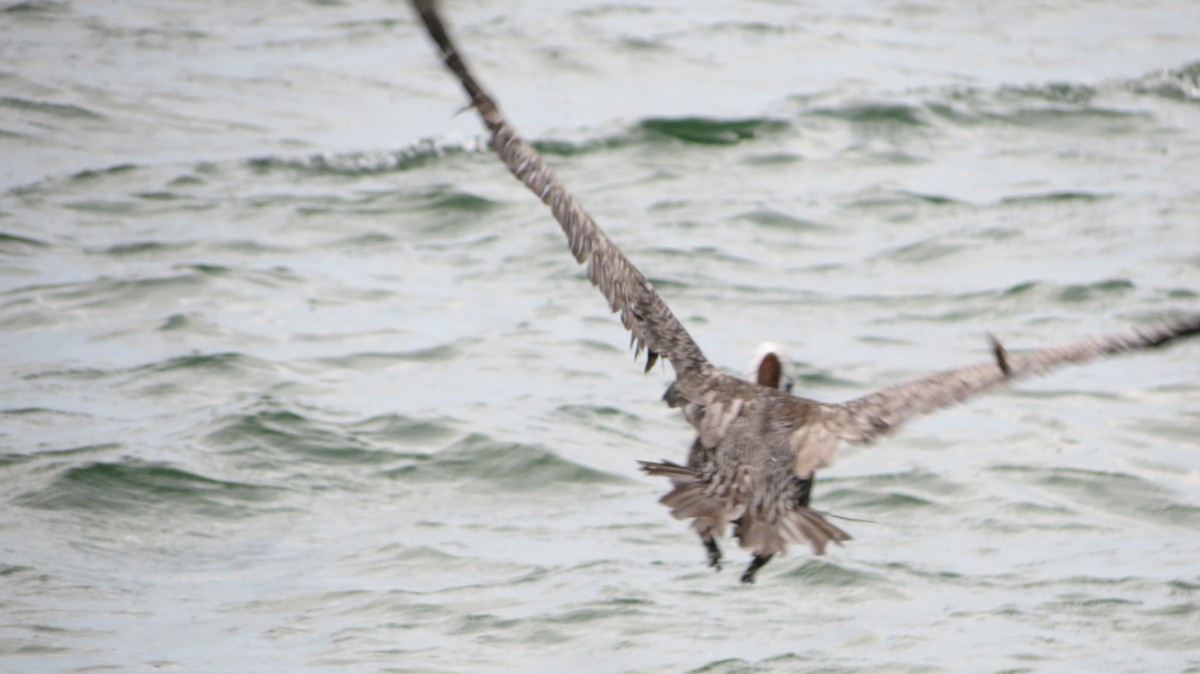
(714, 552)
(759, 562)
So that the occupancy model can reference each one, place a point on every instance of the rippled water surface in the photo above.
(297, 378)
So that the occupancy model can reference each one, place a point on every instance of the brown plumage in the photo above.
(757, 446)
(774, 511)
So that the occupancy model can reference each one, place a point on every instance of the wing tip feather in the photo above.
(1001, 355)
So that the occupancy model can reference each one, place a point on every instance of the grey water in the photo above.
(298, 378)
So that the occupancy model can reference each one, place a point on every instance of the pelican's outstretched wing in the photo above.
(862, 420)
(649, 320)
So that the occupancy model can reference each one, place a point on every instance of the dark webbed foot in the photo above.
(757, 563)
(714, 552)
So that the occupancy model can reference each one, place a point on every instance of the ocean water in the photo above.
(297, 378)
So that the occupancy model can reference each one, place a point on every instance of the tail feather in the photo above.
(688, 501)
(800, 526)
(810, 526)
(668, 469)
(689, 498)
(765, 534)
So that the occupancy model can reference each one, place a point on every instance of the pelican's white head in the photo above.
(772, 367)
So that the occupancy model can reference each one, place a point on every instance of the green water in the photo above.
(297, 378)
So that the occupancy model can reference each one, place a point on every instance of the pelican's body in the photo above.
(757, 446)
(736, 482)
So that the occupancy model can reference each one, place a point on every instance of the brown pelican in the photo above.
(757, 446)
(688, 498)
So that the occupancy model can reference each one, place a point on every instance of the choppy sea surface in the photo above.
(298, 378)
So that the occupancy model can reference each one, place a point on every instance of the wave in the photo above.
(64, 111)
(1172, 84)
(885, 493)
(222, 363)
(768, 218)
(1068, 293)
(273, 437)
(398, 429)
(826, 573)
(875, 113)
(1058, 106)
(710, 131)
(413, 156)
(1114, 492)
(15, 243)
(510, 466)
(133, 486)
(368, 360)
(428, 151)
